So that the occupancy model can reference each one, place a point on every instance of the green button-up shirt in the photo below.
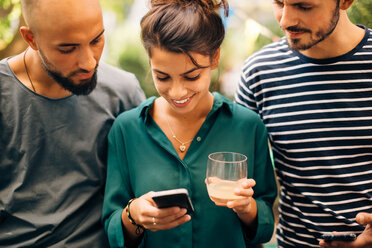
(141, 159)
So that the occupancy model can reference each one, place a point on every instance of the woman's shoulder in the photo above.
(244, 112)
(134, 115)
(237, 111)
(247, 117)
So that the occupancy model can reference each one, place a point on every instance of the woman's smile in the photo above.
(182, 103)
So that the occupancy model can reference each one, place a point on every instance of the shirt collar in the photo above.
(220, 102)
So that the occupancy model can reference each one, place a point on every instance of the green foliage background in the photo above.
(125, 49)
(361, 12)
(10, 10)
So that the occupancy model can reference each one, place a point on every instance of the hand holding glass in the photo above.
(225, 171)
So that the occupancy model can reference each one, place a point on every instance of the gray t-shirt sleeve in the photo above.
(125, 83)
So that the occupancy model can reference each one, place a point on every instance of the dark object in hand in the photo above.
(339, 237)
(174, 197)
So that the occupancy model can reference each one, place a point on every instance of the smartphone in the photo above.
(339, 237)
(174, 197)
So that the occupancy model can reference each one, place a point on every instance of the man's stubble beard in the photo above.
(294, 43)
(85, 87)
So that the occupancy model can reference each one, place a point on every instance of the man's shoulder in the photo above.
(280, 46)
(268, 54)
(4, 67)
(118, 82)
(131, 119)
(109, 74)
(369, 30)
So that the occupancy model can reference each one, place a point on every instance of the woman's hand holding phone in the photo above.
(145, 212)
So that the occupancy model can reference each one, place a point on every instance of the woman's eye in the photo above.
(162, 78)
(193, 78)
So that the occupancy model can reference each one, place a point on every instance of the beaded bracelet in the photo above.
(139, 228)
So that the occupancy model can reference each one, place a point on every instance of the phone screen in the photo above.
(171, 198)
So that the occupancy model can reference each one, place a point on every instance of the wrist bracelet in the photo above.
(139, 228)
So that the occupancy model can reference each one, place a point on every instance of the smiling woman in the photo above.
(183, 85)
(178, 130)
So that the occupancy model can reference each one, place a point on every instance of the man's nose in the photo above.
(87, 60)
(288, 18)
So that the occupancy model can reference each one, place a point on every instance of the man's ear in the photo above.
(345, 4)
(216, 59)
(28, 36)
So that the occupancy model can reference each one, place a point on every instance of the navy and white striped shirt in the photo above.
(319, 117)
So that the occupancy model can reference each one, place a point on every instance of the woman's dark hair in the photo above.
(184, 26)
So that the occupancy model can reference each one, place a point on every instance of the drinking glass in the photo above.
(225, 171)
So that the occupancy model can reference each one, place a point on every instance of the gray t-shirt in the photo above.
(53, 160)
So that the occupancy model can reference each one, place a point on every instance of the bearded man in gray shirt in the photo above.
(57, 104)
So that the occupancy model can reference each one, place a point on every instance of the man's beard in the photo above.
(85, 86)
(320, 35)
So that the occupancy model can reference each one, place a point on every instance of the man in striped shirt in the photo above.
(313, 90)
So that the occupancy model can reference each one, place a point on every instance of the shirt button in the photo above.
(198, 139)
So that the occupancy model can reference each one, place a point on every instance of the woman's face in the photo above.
(180, 82)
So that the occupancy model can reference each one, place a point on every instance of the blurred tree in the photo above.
(124, 48)
(9, 13)
(11, 41)
(361, 12)
(133, 58)
(120, 7)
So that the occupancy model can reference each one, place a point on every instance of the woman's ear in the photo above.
(216, 59)
(28, 36)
